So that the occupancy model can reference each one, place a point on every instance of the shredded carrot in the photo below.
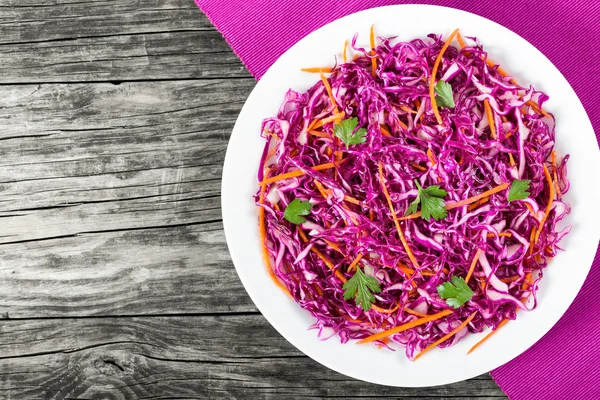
(384, 131)
(438, 117)
(402, 124)
(510, 279)
(295, 174)
(384, 310)
(404, 327)
(490, 116)
(529, 208)
(317, 70)
(511, 160)
(333, 245)
(323, 258)
(446, 337)
(431, 156)
(272, 152)
(509, 134)
(554, 158)
(464, 202)
(373, 60)
(473, 264)
(506, 234)
(329, 93)
(319, 134)
(417, 104)
(344, 52)
(408, 110)
(334, 118)
(413, 312)
(419, 167)
(408, 271)
(549, 206)
(324, 192)
(486, 337)
(478, 203)
(461, 41)
(371, 214)
(262, 227)
(527, 282)
(395, 218)
(355, 262)
(531, 241)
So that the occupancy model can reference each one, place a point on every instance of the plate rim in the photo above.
(227, 225)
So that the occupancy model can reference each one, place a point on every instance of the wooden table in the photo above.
(115, 280)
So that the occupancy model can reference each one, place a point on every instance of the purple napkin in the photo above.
(564, 364)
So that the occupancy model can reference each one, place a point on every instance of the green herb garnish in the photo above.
(295, 209)
(456, 293)
(361, 287)
(345, 131)
(444, 98)
(432, 204)
(518, 190)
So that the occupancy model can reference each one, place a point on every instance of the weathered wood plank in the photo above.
(90, 157)
(24, 21)
(165, 357)
(143, 56)
(174, 270)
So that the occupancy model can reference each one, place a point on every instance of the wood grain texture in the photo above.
(115, 280)
(235, 356)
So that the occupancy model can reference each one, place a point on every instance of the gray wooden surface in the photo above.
(115, 280)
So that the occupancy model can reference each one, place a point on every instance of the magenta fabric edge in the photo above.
(501, 375)
(213, 21)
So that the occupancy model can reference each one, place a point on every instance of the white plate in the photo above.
(562, 279)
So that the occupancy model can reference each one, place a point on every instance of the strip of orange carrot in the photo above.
(295, 174)
(446, 337)
(490, 116)
(329, 93)
(464, 202)
(384, 310)
(262, 227)
(549, 206)
(319, 134)
(384, 131)
(323, 258)
(410, 254)
(431, 157)
(419, 167)
(404, 327)
(355, 262)
(473, 264)
(373, 60)
(317, 70)
(436, 64)
(413, 312)
(478, 203)
(506, 234)
(334, 118)
(344, 53)
(408, 110)
(486, 337)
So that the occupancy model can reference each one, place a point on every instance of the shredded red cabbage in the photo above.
(466, 161)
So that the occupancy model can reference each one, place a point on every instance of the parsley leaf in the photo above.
(444, 98)
(456, 293)
(295, 209)
(432, 204)
(518, 190)
(344, 131)
(360, 286)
